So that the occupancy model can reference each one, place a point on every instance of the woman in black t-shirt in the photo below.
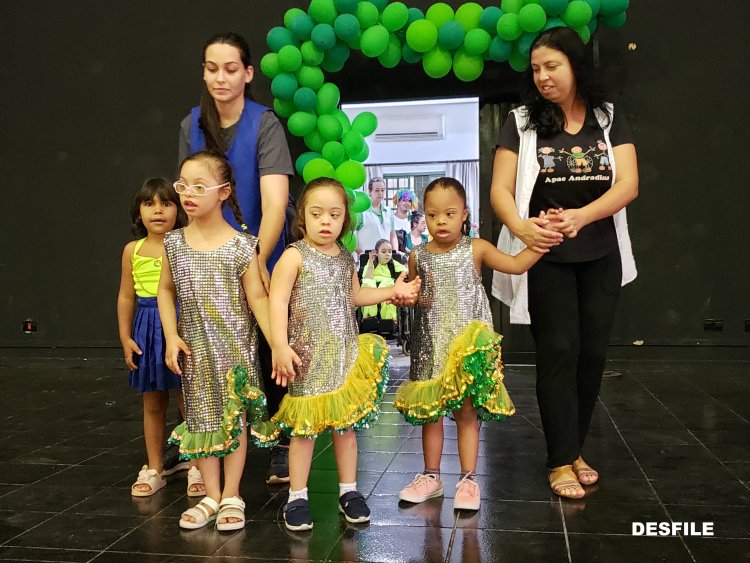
(564, 170)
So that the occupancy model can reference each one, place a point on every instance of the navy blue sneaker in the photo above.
(297, 515)
(354, 508)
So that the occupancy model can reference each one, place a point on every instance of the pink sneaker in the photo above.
(422, 488)
(467, 495)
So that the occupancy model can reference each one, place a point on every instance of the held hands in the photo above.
(172, 356)
(538, 234)
(566, 221)
(405, 294)
(128, 349)
(284, 361)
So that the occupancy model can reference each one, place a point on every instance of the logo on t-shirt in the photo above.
(580, 162)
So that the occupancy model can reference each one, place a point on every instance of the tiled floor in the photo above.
(670, 439)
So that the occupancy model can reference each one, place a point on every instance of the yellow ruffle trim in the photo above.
(354, 405)
(473, 370)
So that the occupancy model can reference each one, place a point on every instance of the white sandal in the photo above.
(148, 477)
(231, 507)
(203, 513)
(194, 477)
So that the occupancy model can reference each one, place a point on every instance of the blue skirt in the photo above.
(152, 373)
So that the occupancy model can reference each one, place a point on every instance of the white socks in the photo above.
(295, 495)
(347, 488)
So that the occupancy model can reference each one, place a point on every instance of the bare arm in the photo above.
(166, 297)
(126, 307)
(274, 195)
(256, 295)
(532, 231)
(284, 275)
(499, 261)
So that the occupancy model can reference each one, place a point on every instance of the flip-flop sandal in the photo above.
(204, 512)
(585, 474)
(231, 507)
(148, 477)
(194, 477)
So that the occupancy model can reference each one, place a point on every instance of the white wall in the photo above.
(461, 132)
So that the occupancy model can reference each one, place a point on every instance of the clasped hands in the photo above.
(550, 228)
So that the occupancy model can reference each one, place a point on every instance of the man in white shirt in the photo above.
(377, 222)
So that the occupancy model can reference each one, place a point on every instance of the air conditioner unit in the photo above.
(429, 127)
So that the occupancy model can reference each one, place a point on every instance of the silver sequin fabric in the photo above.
(322, 324)
(452, 296)
(215, 322)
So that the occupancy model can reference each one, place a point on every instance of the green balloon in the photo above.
(338, 54)
(349, 240)
(317, 168)
(311, 55)
(269, 65)
(301, 27)
(596, 6)
(367, 14)
(361, 202)
(437, 62)
(352, 174)
(524, 43)
(477, 41)
(468, 15)
(422, 35)
(346, 27)
(363, 155)
(584, 33)
(511, 6)
(508, 27)
(323, 36)
(322, 11)
(332, 66)
(355, 44)
(284, 85)
(554, 22)
(292, 13)
(303, 159)
(346, 125)
(517, 61)
(334, 152)
(301, 123)
(613, 7)
(467, 67)
(414, 15)
(439, 13)
(592, 25)
(278, 37)
(305, 99)
(410, 55)
(328, 98)
(488, 20)
(615, 21)
(329, 127)
(284, 108)
(392, 54)
(346, 6)
(314, 141)
(290, 58)
(358, 221)
(532, 18)
(374, 41)
(353, 142)
(554, 7)
(451, 35)
(380, 4)
(577, 13)
(365, 123)
(310, 76)
(499, 50)
(395, 16)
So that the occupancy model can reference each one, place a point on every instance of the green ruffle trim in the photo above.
(473, 370)
(224, 440)
(353, 406)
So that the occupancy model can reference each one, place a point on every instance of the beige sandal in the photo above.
(148, 477)
(194, 478)
(559, 487)
(203, 513)
(231, 507)
(585, 474)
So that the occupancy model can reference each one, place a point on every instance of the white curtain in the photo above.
(467, 172)
(373, 171)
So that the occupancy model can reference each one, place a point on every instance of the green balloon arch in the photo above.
(321, 39)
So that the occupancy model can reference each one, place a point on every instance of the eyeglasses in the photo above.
(197, 189)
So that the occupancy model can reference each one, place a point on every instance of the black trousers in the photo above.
(572, 307)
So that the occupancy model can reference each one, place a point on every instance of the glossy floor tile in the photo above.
(670, 439)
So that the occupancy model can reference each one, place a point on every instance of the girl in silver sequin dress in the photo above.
(212, 271)
(336, 377)
(455, 354)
